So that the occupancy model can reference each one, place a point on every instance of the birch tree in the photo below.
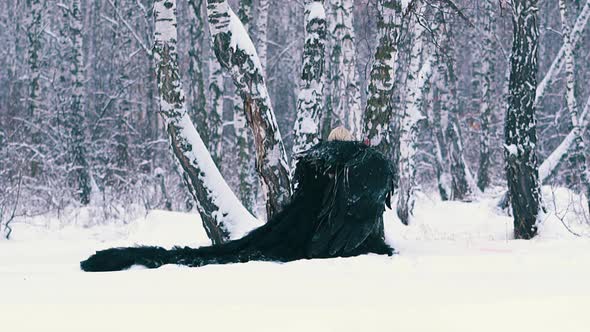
(439, 116)
(429, 95)
(262, 32)
(243, 140)
(447, 87)
(34, 27)
(76, 118)
(378, 111)
(486, 103)
(344, 96)
(209, 116)
(409, 121)
(236, 53)
(443, 177)
(578, 153)
(520, 126)
(221, 212)
(197, 102)
(310, 99)
(34, 37)
(216, 92)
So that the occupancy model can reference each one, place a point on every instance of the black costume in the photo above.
(336, 211)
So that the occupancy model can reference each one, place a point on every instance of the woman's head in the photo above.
(340, 134)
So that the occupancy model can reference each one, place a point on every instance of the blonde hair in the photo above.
(340, 134)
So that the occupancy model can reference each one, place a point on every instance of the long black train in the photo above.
(336, 211)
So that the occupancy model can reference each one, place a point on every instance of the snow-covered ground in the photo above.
(458, 270)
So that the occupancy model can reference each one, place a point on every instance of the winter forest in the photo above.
(113, 111)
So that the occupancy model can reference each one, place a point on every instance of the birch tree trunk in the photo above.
(245, 169)
(246, 179)
(216, 93)
(262, 32)
(440, 118)
(77, 117)
(34, 30)
(310, 99)
(345, 95)
(236, 53)
(197, 101)
(34, 37)
(447, 86)
(409, 122)
(430, 73)
(221, 212)
(520, 126)
(486, 103)
(578, 154)
(378, 112)
(212, 114)
(443, 176)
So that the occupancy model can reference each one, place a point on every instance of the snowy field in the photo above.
(458, 270)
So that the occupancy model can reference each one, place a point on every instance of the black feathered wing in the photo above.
(337, 211)
(353, 204)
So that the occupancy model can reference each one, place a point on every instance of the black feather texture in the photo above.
(336, 211)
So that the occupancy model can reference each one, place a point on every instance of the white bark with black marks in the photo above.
(449, 132)
(577, 157)
(35, 38)
(310, 99)
(486, 103)
(74, 74)
(409, 121)
(245, 166)
(344, 94)
(262, 32)
(378, 112)
(215, 108)
(196, 97)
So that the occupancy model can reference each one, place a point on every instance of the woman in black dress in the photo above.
(342, 188)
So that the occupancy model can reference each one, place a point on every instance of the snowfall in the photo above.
(458, 269)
